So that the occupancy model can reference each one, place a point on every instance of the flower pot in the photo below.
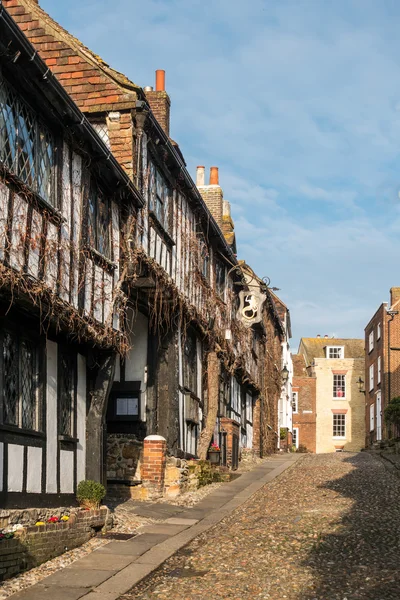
(214, 456)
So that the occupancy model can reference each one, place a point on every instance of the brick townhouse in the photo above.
(304, 404)
(336, 365)
(382, 366)
(189, 363)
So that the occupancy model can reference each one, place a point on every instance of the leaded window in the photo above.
(159, 196)
(99, 221)
(190, 363)
(66, 391)
(339, 386)
(20, 380)
(27, 148)
(339, 426)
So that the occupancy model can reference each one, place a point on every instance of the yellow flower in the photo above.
(40, 523)
(65, 518)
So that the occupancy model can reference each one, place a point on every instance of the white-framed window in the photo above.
(379, 378)
(378, 331)
(339, 386)
(371, 341)
(295, 402)
(371, 377)
(372, 417)
(334, 352)
(339, 426)
(295, 437)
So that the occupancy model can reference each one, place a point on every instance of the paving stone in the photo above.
(41, 592)
(112, 561)
(136, 547)
(75, 577)
(163, 528)
(176, 521)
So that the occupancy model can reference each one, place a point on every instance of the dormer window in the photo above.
(334, 352)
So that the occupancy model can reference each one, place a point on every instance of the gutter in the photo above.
(79, 117)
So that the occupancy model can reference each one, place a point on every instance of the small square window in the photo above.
(334, 352)
(295, 402)
(127, 407)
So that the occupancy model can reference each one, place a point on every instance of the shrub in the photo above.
(392, 412)
(90, 493)
(283, 433)
(302, 449)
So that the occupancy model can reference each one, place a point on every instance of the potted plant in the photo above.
(214, 454)
(90, 493)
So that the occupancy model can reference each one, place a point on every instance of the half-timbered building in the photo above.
(62, 199)
(187, 368)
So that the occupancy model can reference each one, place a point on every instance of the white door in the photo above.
(378, 416)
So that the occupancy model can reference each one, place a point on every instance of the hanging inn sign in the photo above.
(250, 309)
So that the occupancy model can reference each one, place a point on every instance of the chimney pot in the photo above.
(318, 335)
(214, 177)
(326, 335)
(160, 80)
(148, 88)
(200, 175)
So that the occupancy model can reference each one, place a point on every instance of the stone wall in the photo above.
(34, 545)
(124, 456)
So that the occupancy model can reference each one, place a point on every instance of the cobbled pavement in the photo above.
(326, 529)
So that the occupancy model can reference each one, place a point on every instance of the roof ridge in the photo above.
(121, 79)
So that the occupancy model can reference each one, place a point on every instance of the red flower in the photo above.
(53, 520)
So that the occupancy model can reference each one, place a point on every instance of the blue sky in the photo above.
(298, 103)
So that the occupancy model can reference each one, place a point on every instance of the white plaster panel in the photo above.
(136, 360)
(51, 418)
(88, 286)
(107, 297)
(66, 472)
(76, 221)
(35, 244)
(81, 419)
(18, 233)
(4, 195)
(152, 242)
(34, 471)
(51, 255)
(15, 468)
(98, 294)
(66, 226)
(1, 465)
(115, 239)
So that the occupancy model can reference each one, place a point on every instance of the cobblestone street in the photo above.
(327, 529)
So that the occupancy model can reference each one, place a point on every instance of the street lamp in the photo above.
(285, 374)
(360, 384)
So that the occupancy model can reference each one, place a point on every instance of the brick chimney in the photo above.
(159, 101)
(212, 193)
(394, 295)
(228, 227)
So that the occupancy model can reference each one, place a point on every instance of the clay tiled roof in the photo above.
(315, 347)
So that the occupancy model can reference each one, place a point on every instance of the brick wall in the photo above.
(305, 417)
(37, 544)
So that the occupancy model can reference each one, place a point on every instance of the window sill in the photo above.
(24, 432)
(100, 259)
(339, 438)
(161, 229)
(334, 399)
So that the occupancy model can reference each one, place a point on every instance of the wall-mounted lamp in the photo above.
(360, 384)
(285, 374)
